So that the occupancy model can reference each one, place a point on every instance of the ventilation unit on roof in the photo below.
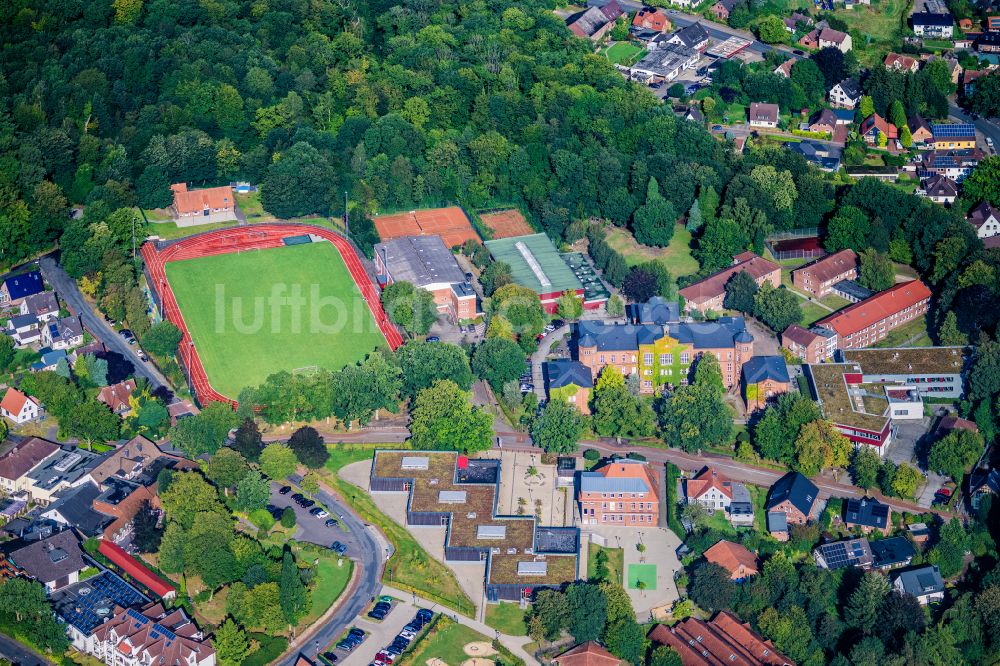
(67, 462)
(533, 264)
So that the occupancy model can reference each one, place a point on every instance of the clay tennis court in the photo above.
(450, 224)
(507, 223)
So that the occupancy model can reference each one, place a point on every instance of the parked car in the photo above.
(408, 635)
(306, 503)
(433, 338)
(331, 522)
(319, 512)
(329, 657)
(142, 355)
(338, 548)
(126, 333)
(527, 388)
(284, 490)
(425, 615)
(297, 497)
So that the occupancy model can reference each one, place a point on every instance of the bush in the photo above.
(591, 454)
(288, 518)
(262, 519)
(636, 456)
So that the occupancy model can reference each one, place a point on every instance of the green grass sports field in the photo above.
(258, 312)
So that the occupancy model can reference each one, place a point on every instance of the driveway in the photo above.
(66, 287)
(544, 348)
(368, 556)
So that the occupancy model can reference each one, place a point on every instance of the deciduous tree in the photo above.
(444, 418)
(558, 428)
(278, 461)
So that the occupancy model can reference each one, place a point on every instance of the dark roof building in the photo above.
(892, 552)
(55, 561)
(867, 512)
(74, 507)
(21, 286)
(564, 372)
(90, 603)
(924, 583)
(843, 554)
(656, 310)
(424, 261)
(796, 489)
(762, 368)
(932, 19)
(693, 36)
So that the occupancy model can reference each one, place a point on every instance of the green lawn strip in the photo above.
(330, 580)
(676, 257)
(616, 561)
(507, 618)
(758, 496)
(901, 336)
(270, 648)
(642, 573)
(719, 522)
(410, 568)
(834, 301)
(249, 203)
(446, 640)
(623, 53)
(341, 332)
(673, 521)
(168, 230)
(812, 312)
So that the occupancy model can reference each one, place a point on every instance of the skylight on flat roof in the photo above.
(533, 264)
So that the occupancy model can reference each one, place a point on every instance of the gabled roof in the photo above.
(830, 266)
(616, 337)
(845, 553)
(917, 122)
(762, 368)
(891, 551)
(136, 569)
(619, 476)
(187, 202)
(851, 88)
(23, 457)
(42, 303)
(861, 315)
(921, 581)
(715, 285)
(944, 20)
(799, 335)
(831, 35)
(876, 121)
(23, 321)
(723, 640)
(897, 61)
(708, 478)
(48, 560)
(692, 35)
(116, 396)
(587, 654)
(75, 507)
(23, 285)
(985, 482)
(730, 556)
(657, 310)
(940, 186)
(14, 401)
(66, 328)
(824, 117)
(564, 372)
(764, 112)
(796, 489)
(982, 213)
(722, 333)
(953, 131)
(588, 22)
(867, 512)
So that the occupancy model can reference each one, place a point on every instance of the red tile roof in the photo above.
(24, 456)
(13, 401)
(724, 641)
(874, 309)
(715, 285)
(799, 335)
(187, 201)
(881, 124)
(830, 266)
(136, 569)
(652, 19)
(587, 654)
(731, 557)
(709, 478)
(897, 61)
(116, 396)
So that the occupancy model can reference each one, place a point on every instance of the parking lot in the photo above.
(308, 527)
(379, 634)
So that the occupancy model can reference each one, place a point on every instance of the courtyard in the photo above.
(649, 563)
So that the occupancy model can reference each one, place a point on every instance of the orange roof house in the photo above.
(210, 204)
(709, 483)
(734, 558)
(709, 293)
(652, 19)
(901, 62)
(450, 224)
(868, 321)
(18, 407)
(587, 654)
(722, 641)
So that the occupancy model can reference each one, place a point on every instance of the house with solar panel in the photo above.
(953, 136)
(924, 583)
(86, 605)
(868, 515)
(844, 554)
(955, 164)
(151, 635)
(460, 494)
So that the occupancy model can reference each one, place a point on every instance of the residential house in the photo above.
(809, 345)
(610, 8)
(693, 36)
(723, 8)
(920, 130)
(892, 553)
(939, 189)
(663, 355)
(823, 121)
(86, 605)
(49, 360)
(764, 379)
(55, 561)
(924, 583)
(764, 115)
(710, 489)
(988, 42)
(622, 492)
(868, 514)
(818, 278)
(694, 114)
(66, 333)
(865, 323)
(986, 219)
(741, 511)
(785, 68)
(901, 63)
(846, 94)
(954, 67)
(953, 136)
(204, 206)
(138, 460)
(664, 63)
(920, 534)
(721, 640)
(830, 38)
(950, 423)
(591, 24)
(793, 497)
(428, 264)
(21, 459)
(571, 381)
(969, 77)
(797, 21)
(587, 654)
(709, 294)
(734, 558)
(955, 164)
(16, 288)
(43, 305)
(816, 153)
(66, 468)
(74, 507)
(651, 18)
(982, 483)
(24, 329)
(116, 396)
(153, 635)
(18, 407)
(935, 25)
(845, 553)
(875, 127)
(121, 501)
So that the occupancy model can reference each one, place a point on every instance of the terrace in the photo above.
(924, 360)
(836, 400)
(475, 532)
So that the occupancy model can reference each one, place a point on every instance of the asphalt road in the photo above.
(985, 127)
(368, 557)
(68, 291)
(16, 653)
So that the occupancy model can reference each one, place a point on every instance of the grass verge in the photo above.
(673, 521)
(269, 648)
(446, 641)
(616, 561)
(507, 618)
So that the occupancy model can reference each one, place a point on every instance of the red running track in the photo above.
(256, 237)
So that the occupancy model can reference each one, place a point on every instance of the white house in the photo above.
(924, 583)
(18, 407)
(710, 489)
(846, 94)
(63, 334)
(985, 219)
(763, 115)
(43, 305)
(24, 329)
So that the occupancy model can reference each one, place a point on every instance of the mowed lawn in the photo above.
(676, 256)
(243, 335)
(624, 53)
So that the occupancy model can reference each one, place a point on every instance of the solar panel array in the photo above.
(956, 130)
(842, 554)
(97, 597)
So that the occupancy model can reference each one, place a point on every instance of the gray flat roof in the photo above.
(491, 532)
(421, 260)
(452, 497)
(532, 568)
(414, 462)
